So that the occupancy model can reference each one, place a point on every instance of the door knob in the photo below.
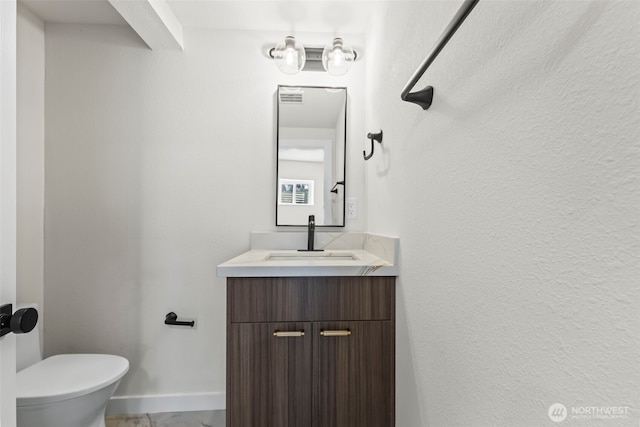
(20, 322)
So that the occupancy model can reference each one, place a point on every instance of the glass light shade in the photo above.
(337, 57)
(289, 56)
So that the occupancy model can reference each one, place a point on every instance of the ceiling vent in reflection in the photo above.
(290, 97)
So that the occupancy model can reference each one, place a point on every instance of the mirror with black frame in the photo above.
(312, 126)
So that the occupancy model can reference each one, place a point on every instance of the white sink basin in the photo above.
(311, 256)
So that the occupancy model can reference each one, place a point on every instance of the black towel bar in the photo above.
(424, 97)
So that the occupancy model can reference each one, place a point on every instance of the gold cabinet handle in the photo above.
(284, 334)
(336, 333)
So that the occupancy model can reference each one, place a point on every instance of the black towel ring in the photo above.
(372, 137)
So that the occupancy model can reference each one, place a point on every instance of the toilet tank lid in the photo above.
(67, 376)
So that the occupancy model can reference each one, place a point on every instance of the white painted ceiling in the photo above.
(75, 11)
(294, 16)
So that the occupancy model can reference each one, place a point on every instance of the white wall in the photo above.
(322, 173)
(308, 171)
(516, 200)
(30, 159)
(8, 203)
(338, 199)
(145, 153)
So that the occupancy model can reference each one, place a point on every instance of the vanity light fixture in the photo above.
(337, 57)
(290, 57)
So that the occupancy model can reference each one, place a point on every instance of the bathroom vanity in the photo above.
(313, 350)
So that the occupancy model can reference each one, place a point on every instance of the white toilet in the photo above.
(66, 390)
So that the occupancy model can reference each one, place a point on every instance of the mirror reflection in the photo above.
(311, 155)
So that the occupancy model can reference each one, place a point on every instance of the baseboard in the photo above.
(153, 404)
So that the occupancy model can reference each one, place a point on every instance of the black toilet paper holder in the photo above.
(172, 319)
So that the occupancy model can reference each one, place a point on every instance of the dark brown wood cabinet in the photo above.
(311, 352)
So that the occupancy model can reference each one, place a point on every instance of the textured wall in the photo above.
(516, 200)
(149, 158)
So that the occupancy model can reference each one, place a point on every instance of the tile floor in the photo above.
(169, 419)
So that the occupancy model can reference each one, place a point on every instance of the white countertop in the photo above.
(375, 256)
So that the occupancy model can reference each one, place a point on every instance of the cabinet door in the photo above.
(269, 375)
(354, 374)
